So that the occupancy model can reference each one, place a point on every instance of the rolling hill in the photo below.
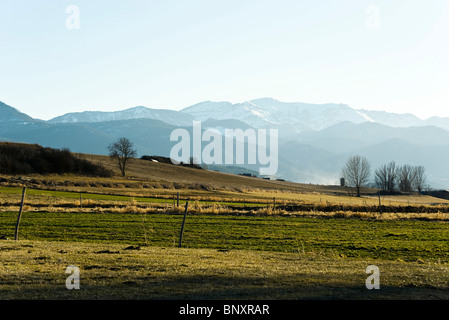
(314, 140)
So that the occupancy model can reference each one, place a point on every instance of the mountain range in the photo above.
(315, 140)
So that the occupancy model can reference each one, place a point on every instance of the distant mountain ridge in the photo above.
(10, 114)
(292, 117)
(299, 117)
(140, 112)
(315, 139)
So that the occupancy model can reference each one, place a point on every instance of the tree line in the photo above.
(389, 177)
(20, 158)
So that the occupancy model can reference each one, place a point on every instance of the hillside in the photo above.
(18, 158)
(147, 171)
(54, 164)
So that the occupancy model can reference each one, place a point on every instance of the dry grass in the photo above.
(150, 179)
(36, 203)
(344, 199)
(430, 216)
(36, 270)
(208, 192)
(183, 177)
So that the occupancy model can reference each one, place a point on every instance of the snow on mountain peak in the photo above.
(288, 117)
(365, 116)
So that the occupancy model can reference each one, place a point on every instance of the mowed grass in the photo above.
(374, 239)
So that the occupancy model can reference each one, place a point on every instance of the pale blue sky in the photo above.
(174, 53)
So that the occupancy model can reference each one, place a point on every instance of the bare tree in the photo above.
(385, 177)
(406, 178)
(419, 178)
(122, 150)
(357, 172)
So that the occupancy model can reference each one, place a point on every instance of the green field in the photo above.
(136, 256)
(244, 238)
(386, 240)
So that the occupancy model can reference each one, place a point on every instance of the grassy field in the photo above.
(35, 269)
(386, 240)
(131, 256)
(245, 238)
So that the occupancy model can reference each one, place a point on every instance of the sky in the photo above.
(67, 56)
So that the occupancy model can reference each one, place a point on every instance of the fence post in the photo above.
(182, 227)
(16, 234)
(177, 195)
(380, 204)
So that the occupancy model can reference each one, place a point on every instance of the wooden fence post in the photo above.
(16, 234)
(177, 195)
(182, 227)
(380, 204)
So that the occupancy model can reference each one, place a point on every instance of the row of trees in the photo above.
(405, 178)
(389, 177)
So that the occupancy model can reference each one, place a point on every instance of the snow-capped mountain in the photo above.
(296, 117)
(168, 116)
(290, 118)
(392, 119)
(270, 113)
(246, 112)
